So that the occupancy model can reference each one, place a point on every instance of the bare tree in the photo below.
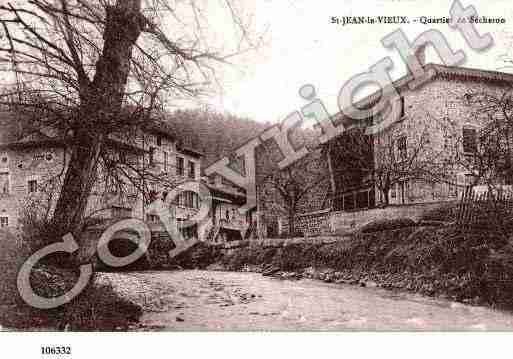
(490, 149)
(401, 158)
(286, 190)
(79, 65)
(401, 154)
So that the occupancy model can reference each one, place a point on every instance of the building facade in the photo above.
(427, 152)
(32, 167)
(426, 155)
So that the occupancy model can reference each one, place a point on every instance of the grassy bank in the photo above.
(474, 267)
(98, 307)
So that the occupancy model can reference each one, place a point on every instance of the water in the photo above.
(204, 300)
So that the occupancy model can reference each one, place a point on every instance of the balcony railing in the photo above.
(233, 223)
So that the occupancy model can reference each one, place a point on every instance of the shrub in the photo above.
(444, 213)
(122, 246)
(98, 307)
(12, 255)
(198, 256)
(294, 257)
(386, 225)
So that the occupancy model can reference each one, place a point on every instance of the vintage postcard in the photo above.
(256, 165)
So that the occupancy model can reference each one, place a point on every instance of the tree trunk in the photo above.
(101, 102)
(292, 222)
(78, 184)
(385, 192)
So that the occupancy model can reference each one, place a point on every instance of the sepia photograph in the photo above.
(237, 166)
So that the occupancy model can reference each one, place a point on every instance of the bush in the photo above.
(122, 246)
(445, 213)
(12, 255)
(37, 231)
(386, 225)
(198, 256)
(294, 257)
(251, 255)
(98, 307)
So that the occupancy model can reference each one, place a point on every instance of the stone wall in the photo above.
(313, 223)
(230, 247)
(341, 222)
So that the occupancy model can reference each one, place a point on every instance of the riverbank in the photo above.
(469, 267)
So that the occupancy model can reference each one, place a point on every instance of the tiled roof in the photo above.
(451, 72)
(12, 135)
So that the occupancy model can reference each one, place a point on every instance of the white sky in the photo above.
(304, 47)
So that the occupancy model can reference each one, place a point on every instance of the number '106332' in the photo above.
(56, 350)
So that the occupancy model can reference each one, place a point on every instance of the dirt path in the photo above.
(203, 300)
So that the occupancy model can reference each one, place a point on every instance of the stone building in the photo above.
(437, 125)
(225, 221)
(32, 165)
(438, 122)
(437, 131)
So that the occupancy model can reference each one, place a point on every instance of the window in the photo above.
(4, 222)
(192, 170)
(188, 232)
(159, 141)
(32, 186)
(4, 160)
(122, 157)
(393, 191)
(4, 182)
(121, 212)
(391, 151)
(188, 199)
(166, 159)
(180, 166)
(349, 202)
(469, 140)
(152, 156)
(402, 107)
(401, 148)
(152, 218)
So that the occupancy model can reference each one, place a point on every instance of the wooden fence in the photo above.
(485, 209)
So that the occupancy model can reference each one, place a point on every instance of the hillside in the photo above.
(219, 134)
(215, 134)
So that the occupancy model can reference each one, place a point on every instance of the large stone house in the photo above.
(438, 122)
(32, 166)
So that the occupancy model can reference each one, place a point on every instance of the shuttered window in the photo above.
(469, 140)
(180, 166)
(4, 182)
(401, 148)
(32, 186)
(192, 170)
